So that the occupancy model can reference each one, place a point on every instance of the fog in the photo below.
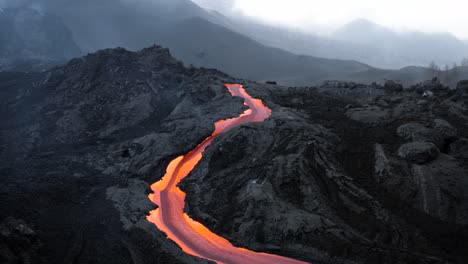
(309, 15)
(378, 33)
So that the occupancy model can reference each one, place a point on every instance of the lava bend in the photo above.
(193, 237)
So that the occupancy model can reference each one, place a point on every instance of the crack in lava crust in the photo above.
(193, 237)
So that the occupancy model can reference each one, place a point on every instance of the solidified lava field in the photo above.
(338, 173)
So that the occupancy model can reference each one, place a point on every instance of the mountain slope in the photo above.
(203, 43)
(186, 29)
(360, 40)
(29, 35)
(400, 49)
(130, 24)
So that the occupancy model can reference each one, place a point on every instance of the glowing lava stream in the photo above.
(193, 237)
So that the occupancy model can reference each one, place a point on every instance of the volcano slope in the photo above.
(341, 173)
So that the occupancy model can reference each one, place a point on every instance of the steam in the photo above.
(37, 5)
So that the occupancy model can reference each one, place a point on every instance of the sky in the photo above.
(414, 15)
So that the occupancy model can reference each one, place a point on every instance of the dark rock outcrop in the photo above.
(429, 85)
(393, 86)
(439, 132)
(18, 242)
(418, 152)
(459, 148)
(463, 85)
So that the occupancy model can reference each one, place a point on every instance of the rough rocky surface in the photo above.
(318, 162)
(430, 85)
(320, 180)
(74, 137)
(463, 85)
(393, 86)
(418, 152)
(18, 242)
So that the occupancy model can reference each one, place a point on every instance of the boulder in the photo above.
(429, 85)
(444, 129)
(418, 152)
(414, 131)
(393, 86)
(132, 202)
(439, 132)
(18, 242)
(463, 85)
(459, 148)
(441, 186)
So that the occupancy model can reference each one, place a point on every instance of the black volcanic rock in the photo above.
(463, 85)
(418, 152)
(320, 180)
(315, 183)
(18, 242)
(71, 133)
(459, 148)
(393, 86)
(430, 85)
(413, 131)
(439, 132)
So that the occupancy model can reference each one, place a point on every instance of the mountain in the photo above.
(193, 37)
(206, 44)
(209, 39)
(360, 40)
(400, 49)
(130, 24)
(335, 174)
(363, 31)
(28, 36)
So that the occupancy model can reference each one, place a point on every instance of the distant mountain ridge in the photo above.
(27, 35)
(193, 36)
(404, 48)
(209, 39)
(360, 40)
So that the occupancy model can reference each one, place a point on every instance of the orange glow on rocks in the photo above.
(193, 237)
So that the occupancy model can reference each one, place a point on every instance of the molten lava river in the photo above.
(193, 237)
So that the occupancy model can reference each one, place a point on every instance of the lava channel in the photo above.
(193, 237)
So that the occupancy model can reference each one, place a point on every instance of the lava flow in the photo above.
(193, 237)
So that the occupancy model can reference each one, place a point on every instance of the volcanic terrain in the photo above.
(338, 173)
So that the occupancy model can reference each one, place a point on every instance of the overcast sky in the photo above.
(422, 15)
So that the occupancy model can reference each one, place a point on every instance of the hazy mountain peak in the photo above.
(362, 23)
(28, 34)
(362, 31)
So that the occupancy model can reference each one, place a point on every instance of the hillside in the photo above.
(202, 43)
(335, 175)
(400, 49)
(30, 39)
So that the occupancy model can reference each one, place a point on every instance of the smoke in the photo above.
(38, 5)
(219, 5)
(14, 3)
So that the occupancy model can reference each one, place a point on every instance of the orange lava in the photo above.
(193, 237)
